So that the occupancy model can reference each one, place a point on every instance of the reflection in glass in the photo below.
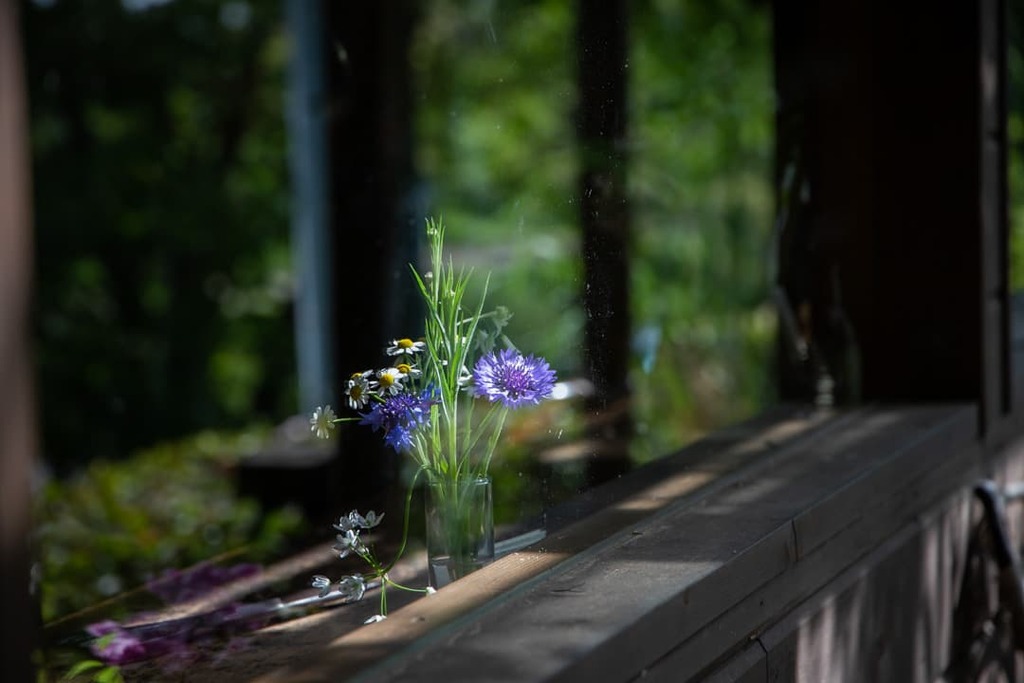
(496, 87)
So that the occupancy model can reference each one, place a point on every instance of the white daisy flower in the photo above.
(322, 422)
(390, 381)
(408, 370)
(358, 390)
(403, 347)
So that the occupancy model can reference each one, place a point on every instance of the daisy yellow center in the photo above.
(404, 368)
(386, 380)
(356, 375)
(405, 343)
(356, 392)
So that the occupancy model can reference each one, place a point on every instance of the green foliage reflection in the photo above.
(497, 87)
(161, 221)
(118, 524)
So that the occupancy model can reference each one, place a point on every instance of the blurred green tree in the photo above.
(162, 215)
(496, 87)
(163, 285)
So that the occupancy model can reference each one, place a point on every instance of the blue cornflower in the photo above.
(398, 416)
(399, 438)
(512, 378)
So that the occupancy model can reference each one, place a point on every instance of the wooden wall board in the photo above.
(887, 618)
(809, 575)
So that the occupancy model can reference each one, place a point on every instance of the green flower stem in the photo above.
(450, 337)
(407, 588)
(495, 435)
(405, 526)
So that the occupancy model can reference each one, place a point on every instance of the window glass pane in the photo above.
(165, 276)
(498, 155)
(496, 151)
(495, 86)
(700, 181)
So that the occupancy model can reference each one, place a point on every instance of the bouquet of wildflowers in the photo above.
(424, 403)
(443, 398)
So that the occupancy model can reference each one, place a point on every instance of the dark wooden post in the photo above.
(370, 132)
(892, 111)
(822, 63)
(18, 618)
(997, 371)
(602, 41)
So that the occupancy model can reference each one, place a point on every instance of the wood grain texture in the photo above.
(303, 650)
(681, 588)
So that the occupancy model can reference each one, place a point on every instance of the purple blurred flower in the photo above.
(176, 586)
(114, 645)
(512, 378)
(398, 416)
(119, 648)
(399, 439)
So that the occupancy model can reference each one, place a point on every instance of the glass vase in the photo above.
(460, 528)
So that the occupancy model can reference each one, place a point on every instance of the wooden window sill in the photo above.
(670, 568)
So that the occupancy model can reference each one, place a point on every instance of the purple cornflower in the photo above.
(399, 416)
(512, 378)
(399, 438)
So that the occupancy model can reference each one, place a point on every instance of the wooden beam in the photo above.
(678, 575)
(19, 617)
(602, 55)
(317, 647)
(891, 115)
(997, 362)
(370, 132)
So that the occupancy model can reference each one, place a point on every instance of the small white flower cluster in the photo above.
(368, 386)
(351, 525)
(351, 587)
(362, 387)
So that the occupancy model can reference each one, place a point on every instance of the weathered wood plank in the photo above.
(709, 561)
(887, 480)
(693, 472)
(887, 618)
(645, 593)
(809, 577)
(749, 666)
